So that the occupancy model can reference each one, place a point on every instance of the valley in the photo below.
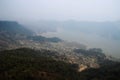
(40, 54)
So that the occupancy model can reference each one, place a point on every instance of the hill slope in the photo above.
(29, 64)
(13, 28)
(24, 64)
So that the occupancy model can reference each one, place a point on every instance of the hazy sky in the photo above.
(83, 10)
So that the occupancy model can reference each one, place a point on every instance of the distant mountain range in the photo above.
(104, 29)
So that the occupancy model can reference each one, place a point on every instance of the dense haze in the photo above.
(95, 23)
(84, 10)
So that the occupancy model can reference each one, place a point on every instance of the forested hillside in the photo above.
(29, 64)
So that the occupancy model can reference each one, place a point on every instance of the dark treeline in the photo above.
(44, 39)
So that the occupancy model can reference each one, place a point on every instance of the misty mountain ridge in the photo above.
(104, 29)
(14, 28)
(12, 32)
